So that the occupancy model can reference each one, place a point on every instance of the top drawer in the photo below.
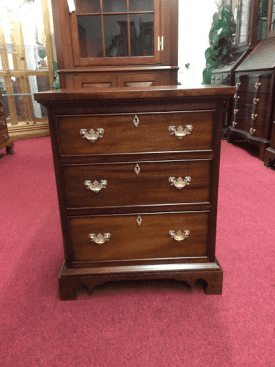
(135, 133)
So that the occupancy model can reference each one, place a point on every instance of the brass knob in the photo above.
(234, 123)
(180, 183)
(253, 116)
(237, 85)
(257, 85)
(255, 100)
(95, 186)
(235, 111)
(252, 131)
(92, 135)
(180, 132)
(99, 239)
(179, 236)
(236, 97)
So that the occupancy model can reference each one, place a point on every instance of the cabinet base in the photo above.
(70, 280)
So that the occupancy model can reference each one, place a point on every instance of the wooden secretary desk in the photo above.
(116, 43)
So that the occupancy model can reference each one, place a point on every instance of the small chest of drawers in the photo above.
(137, 179)
(5, 141)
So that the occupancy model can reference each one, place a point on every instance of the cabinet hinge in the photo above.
(160, 43)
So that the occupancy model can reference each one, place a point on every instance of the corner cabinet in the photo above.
(137, 172)
(116, 43)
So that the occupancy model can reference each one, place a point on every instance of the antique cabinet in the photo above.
(116, 43)
(5, 141)
(246, 18)
(254, 100)
(137, 178)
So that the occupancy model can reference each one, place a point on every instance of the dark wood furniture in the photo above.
(254, 101)
(137, 178)
(269, 156)
(5, 141)
(116, 43)
(249, 30)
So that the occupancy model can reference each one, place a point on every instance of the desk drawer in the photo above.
(142, 183)
(153, 132)
(126, 240)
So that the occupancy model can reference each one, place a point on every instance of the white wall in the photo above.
(195, 19)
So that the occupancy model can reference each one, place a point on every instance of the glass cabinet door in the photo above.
(271, 18)
(240, 12)
(107, 32)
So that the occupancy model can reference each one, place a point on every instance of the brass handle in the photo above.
(236, 97)
(235, 111)
(255, 100)
(237, 85)
(99, 239)
(180, 132)
(3, 122)
(95, 186)
(179, 236)
(257, 85)
(180, 183)
(252, 131)
(234, 123)
(253, 116)
(92, 135)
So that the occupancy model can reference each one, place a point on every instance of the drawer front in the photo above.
(150, 240)
(133, 133)
(4, 136)
(142, 183)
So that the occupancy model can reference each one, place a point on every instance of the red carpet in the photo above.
(135, 324)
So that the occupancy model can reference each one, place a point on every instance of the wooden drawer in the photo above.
(151, 186)
(128, 240)
(122, 136)
(4, 137)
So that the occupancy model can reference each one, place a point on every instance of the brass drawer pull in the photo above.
(255, 100)
(180, 183)
(252, 131)
(234, 123)
(236, 97)
(237, 85)
(179, 236)
(235, 111)
(3, 122)
(99, 239)
(180, 132)
(5, 136)
(92, 135)
(95, 186)
(253, 116)
(257, 85)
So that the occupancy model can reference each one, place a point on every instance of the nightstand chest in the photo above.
(137, 180)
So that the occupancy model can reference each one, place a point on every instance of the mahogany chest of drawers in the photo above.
(137, 179)
(5, 141)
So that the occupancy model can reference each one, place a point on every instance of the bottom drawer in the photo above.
(134, 237)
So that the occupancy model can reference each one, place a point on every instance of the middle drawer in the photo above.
(137, 183)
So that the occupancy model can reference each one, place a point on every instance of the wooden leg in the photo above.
(9, 148)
